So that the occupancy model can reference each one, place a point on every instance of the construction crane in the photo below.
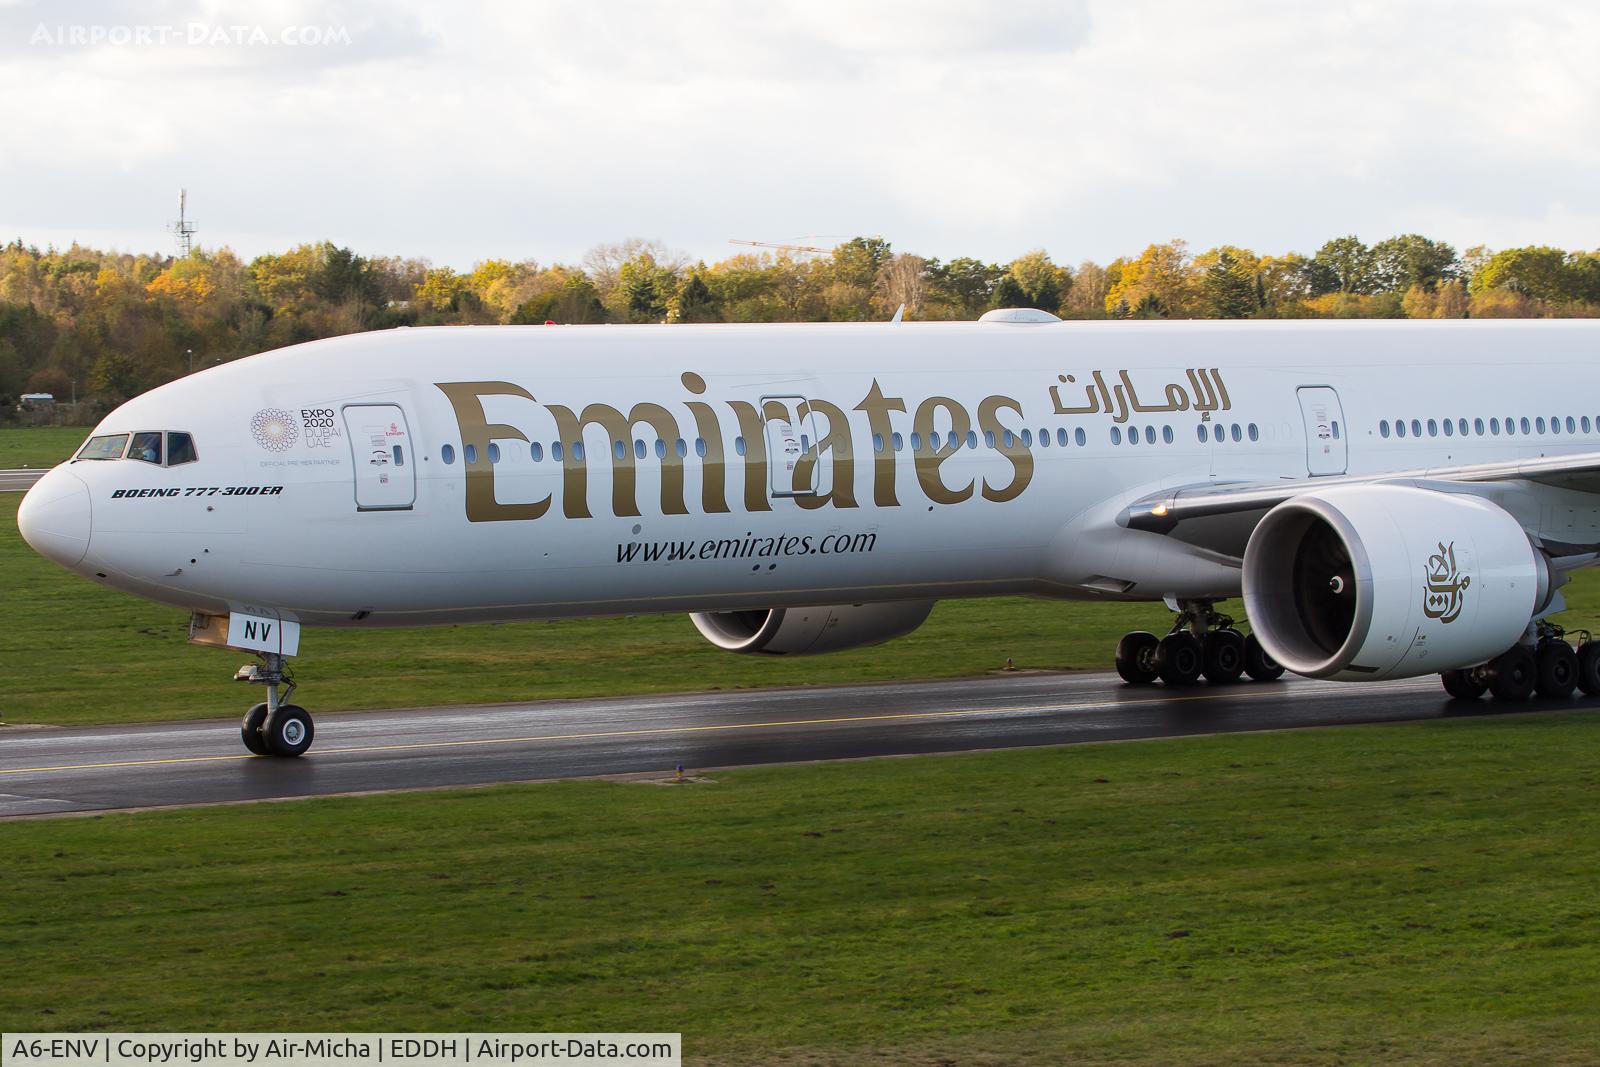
(780, 246)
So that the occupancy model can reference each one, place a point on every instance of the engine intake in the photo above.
(808, 631)
(1376, 581)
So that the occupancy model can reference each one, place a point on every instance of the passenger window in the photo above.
(557, 453)
(1080, 437)
(470, 454)
(661, 448)
(1044, 438)
(1166, 434)
(536, 450)
(1400, 427)
(1555, 424)
(1200, 431)
(1383, 428)
(1433, 428)
(1449, 428)
(1237, 434)
(1133, 435)
(897, 441)
(494, 452)
(1477, 427)
(639, 449)
(448, 454)
(1494, 427)
(146, 447)
(180, 449)
(1461, 425)
(1255, 434)
(1116, 436)
(1061, 436)
(1585, 424)
(1007, 437)
(916, 441)
(1525, 424)
(700, 447)
(577, 451)
(108, 446)
(877, 442)
(1571, 428)
(1539, 424)
(619, 450)
(1416, 427)
(738, 445)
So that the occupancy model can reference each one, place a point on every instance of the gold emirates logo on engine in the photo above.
(1443, 585)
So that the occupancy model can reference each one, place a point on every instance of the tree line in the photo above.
(94, 328)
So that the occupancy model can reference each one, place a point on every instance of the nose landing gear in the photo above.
(1201, 644)
(274, 728)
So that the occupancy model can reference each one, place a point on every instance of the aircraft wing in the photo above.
(1223, 513)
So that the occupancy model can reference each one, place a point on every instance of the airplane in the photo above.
(1388, 498)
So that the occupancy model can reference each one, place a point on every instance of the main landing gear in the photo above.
(1552, 668)
(274, 728)
(1201, 643)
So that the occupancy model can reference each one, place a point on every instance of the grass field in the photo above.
(43, 446)
(1419, 893)
(72, 652)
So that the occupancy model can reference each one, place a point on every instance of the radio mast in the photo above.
(184, 228)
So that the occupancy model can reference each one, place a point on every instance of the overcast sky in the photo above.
(536, 129)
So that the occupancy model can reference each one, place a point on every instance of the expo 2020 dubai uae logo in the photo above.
(273, 429)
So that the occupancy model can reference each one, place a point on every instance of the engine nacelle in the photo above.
(807, 631)
(1365, 582)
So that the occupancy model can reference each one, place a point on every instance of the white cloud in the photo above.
(950, 128)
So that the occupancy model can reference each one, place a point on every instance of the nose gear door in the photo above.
(380, 448)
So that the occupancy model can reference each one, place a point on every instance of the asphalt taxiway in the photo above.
(59, 771)
(15, 481)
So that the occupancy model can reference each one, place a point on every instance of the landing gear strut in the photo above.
(274, 728)
(1202, 643)
(1549, 667)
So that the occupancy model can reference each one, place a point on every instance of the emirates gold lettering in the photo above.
(828, 463)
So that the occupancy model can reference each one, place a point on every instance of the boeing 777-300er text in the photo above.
(1390, 498)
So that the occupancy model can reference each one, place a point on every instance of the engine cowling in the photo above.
(1367, 582)
(808, 631)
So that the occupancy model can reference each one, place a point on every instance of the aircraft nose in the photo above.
(54, 517)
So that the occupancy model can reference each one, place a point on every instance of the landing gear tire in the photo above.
(289, 730)
(1179, 658)
(1556, 669)
(250, 730)
(1257, 664)
(1223, 657)
(1465, 684)
(1512, 675)
(1589, 667)
(1136, 654)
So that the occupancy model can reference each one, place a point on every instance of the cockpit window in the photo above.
(107, 446)
(180, 449)
(146, 446)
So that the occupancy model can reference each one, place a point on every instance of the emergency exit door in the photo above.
(1325, 430)
(790, 437)
(380, 446)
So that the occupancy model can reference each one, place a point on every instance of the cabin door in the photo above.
(1325, 430)
(791, 445)
(385, 465)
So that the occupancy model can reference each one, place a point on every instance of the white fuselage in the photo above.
(796, 480)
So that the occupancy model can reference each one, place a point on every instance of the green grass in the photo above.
(74, 653)
(1419, 893)
(42, 446)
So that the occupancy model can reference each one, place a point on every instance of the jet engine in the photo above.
(1366, 582)
(807, 631)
